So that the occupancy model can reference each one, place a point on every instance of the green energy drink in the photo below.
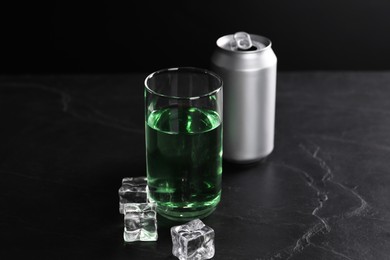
(184, 161)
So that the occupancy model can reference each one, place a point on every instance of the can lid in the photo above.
(243, 42)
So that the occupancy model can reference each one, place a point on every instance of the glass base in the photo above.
(185, 216)
(185, 213)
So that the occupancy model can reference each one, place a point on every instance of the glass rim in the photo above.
(188, 69)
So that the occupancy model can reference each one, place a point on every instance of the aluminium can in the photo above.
(249, 82)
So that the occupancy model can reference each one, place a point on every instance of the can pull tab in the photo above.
(242, 40)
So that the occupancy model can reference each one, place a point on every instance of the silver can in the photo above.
(247, 65)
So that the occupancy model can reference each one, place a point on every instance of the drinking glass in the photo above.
(183, 127)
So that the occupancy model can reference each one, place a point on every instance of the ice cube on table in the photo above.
(140, 222)
(193, 240)
(133, 190)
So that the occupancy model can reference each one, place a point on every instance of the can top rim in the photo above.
(224, 41)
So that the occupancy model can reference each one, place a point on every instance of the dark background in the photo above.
(61, 37)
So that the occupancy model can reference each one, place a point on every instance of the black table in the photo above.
(68, 140)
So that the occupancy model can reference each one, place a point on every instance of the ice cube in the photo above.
(193, 240)
(140, 223)
(133, 190)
